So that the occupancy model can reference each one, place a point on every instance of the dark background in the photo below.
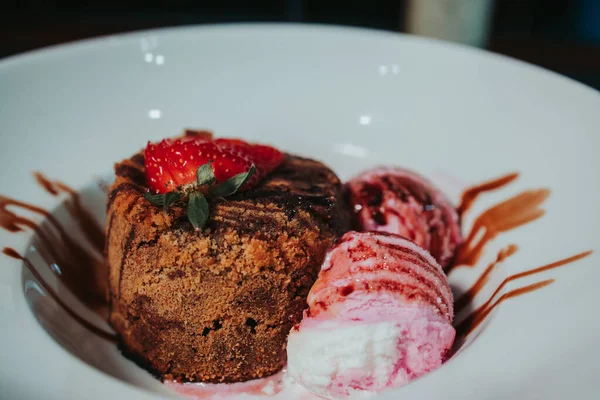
(563, 36)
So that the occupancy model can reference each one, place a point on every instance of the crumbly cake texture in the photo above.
(216, 305)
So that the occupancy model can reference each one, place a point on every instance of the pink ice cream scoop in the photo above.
(380, 314)
(399, 201)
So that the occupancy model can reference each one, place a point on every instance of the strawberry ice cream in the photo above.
(380, 314)
(399, 201)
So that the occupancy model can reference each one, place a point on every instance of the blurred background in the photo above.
(561, 35)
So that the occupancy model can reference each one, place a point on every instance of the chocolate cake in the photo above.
(216, 305)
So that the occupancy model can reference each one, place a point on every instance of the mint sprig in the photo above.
(195, 197)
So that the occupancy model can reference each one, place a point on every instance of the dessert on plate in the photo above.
(379, 315)
(213, 245)
(228, 259)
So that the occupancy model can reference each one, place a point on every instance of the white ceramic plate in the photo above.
(353, 98)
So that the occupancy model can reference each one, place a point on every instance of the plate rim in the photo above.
(87, 43)
(30, 56)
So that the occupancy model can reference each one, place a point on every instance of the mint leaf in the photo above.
(197, 210)
(205, 174)
(232, 185)
(172, 198)
(156, 199)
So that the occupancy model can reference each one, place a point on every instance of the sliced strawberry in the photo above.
(229, 165)
(237, 146)
(173, 163)
(157, 174)
(184, 158)
(267, 156)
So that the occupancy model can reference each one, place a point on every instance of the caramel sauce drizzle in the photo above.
(512, 213)
(504, 216)
(470, 195)
(466, 298)
(469, 324)
(475, 318)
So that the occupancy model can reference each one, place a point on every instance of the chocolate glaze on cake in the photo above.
(216, 305)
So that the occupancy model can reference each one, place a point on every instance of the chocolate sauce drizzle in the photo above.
(52, 293)
(87, 223)
(80, 268)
